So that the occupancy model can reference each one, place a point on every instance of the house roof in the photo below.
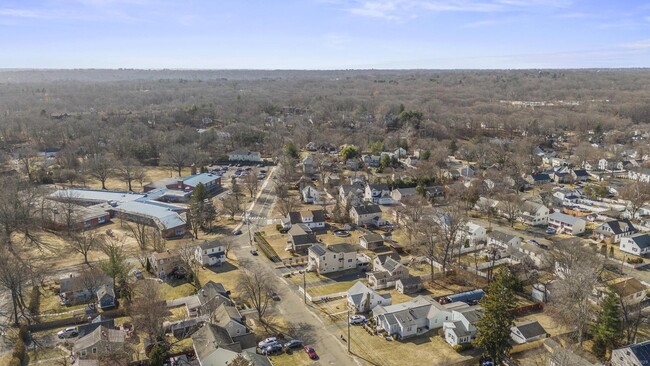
(71, 284)
(372, 238)
(165, 217)
(627, 287)
(367, 209)
(530, 206)
(471, 313)
(641, 351)
(317, 249)
(406, 191)
(618, 226)
(390, 265)
(641, 240)
(209, 338)
(101, 334)
(382, 258)
(243, 152)
(580, 173)
(204, 178)
(530, 329)
(567, 219)
(540, 177)
(297, 217)
(410, 281)
(500, 236)
(379, 187)
(300, 236)
(210, 244)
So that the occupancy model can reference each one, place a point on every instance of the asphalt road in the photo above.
(306, 325)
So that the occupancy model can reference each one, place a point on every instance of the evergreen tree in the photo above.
(157, 356)
(426, 154)
(291, 150)
(493, 329)
(453, 147)
(607, 330)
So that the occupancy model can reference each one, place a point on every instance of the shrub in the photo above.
(34, 300)
(462, 347)
(278, 227)
(635, 260)
(15, 362)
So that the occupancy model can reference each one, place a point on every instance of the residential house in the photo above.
(96, 322)
(378, 194)
(351, 194)
(400, 153)
(630, 290)
(566, 224)
(503, 240)
(309, 194)
(387, 274)
(539, 256)
(228, 317)
(311, 146)
(638, 244)
(213, 346)
(245, 156)
(613, 231)
(301, 238)
(362, 299)
(106, 297)
(379, 261)
(461, 326)
(527, 332)
(640, 174)
(371, 241)
(414, 317)
(472, 234)
(562, 176)
(101, 343)
(542, 291)
(165, 263)
(368, 213)
(466, 172)
(313, 219)
(434, 194)
(399, 193)
(371, 160)
(412, 161)
(408, 285)
(208, 299)
(352, 164)
(539, 178)
(332, 258)
(79, 289)
(332, 180)
(637, 354)
(308, 165)
(210, 253)
(533, 214)
(579, 175)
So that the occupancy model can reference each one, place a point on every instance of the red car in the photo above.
(311, 353)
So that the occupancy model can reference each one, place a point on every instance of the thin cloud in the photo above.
(487, 23)
(638, 45)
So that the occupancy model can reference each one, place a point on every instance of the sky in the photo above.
(324, 34)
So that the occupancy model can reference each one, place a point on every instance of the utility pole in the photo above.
(349, 340)
(248, 227)
(304, 285)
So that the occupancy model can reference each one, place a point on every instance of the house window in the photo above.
(349, 260)
(94, 350)
(205, 252)
(101, 219)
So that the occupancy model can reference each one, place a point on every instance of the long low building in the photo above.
(167, 218)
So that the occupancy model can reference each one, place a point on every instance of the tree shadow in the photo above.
(223, 268)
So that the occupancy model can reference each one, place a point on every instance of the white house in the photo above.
(378, 193)
(308, 166)
(533, 214)
(332, 258)
(351, 194)
(638, 244)
(473, 233)
(613, 231)
(642, 175)
(527, 332)
(635, 354)
(368, 213)
(312, 219)
(461, 326)
(503, 240)
(414, 317)
(245, 155)
(309, 194)
(566, 224)
(362, 299)
(210, 253)
(400, 193)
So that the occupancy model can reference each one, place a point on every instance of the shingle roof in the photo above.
(317, 249)
(619, 226)
(366, 209)
(410, 281)
(530, 329)
(641, 351)
(101, 334)
(642, 240)
(568, 219)
(373, 238)
(210, 244)
(627, 287)
(500, 236)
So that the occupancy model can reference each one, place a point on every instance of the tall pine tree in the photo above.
(607, 331)
(493, 329)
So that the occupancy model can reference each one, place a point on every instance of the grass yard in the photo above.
(412, 351)
(332, 288)
(226, 274)
(297, 357)
(41, 354)
(176, 291)
(152, 173)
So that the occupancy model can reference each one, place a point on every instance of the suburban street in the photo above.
(308, 326)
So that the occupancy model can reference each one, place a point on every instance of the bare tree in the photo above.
(139, 231)
(158, 243)
(130, 171)
(510, 206)
(27, 158)
(189, 262)
(101, 168)
(19, 210)
(251, 182)
(148, 310)
(91, 278)
(428, 242)
(15, 277)
(633, 316)
(579, 268)
(286, 201)
(230, 205)
(66, 210)
(178, 156)
(256, 287)
(83, 242)
(636, 193)
(449, 225)
(412, 213)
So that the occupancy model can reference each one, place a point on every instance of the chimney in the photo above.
(193, 169)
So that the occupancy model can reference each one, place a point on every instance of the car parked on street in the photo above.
(68, 333)
(273, 349)
(274, 295)
(309, 350)
(267, 342)
(357, 319)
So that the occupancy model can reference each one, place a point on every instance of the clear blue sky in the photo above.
(324, 34)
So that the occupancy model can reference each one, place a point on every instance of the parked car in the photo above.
(311, 352)
(550, 230)
(273, 349)
(267, 342)
(254, 251)
(274, 295)
(138, 274)
(236, 232)
(68, 333)
(293, 343)
(357, 319)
